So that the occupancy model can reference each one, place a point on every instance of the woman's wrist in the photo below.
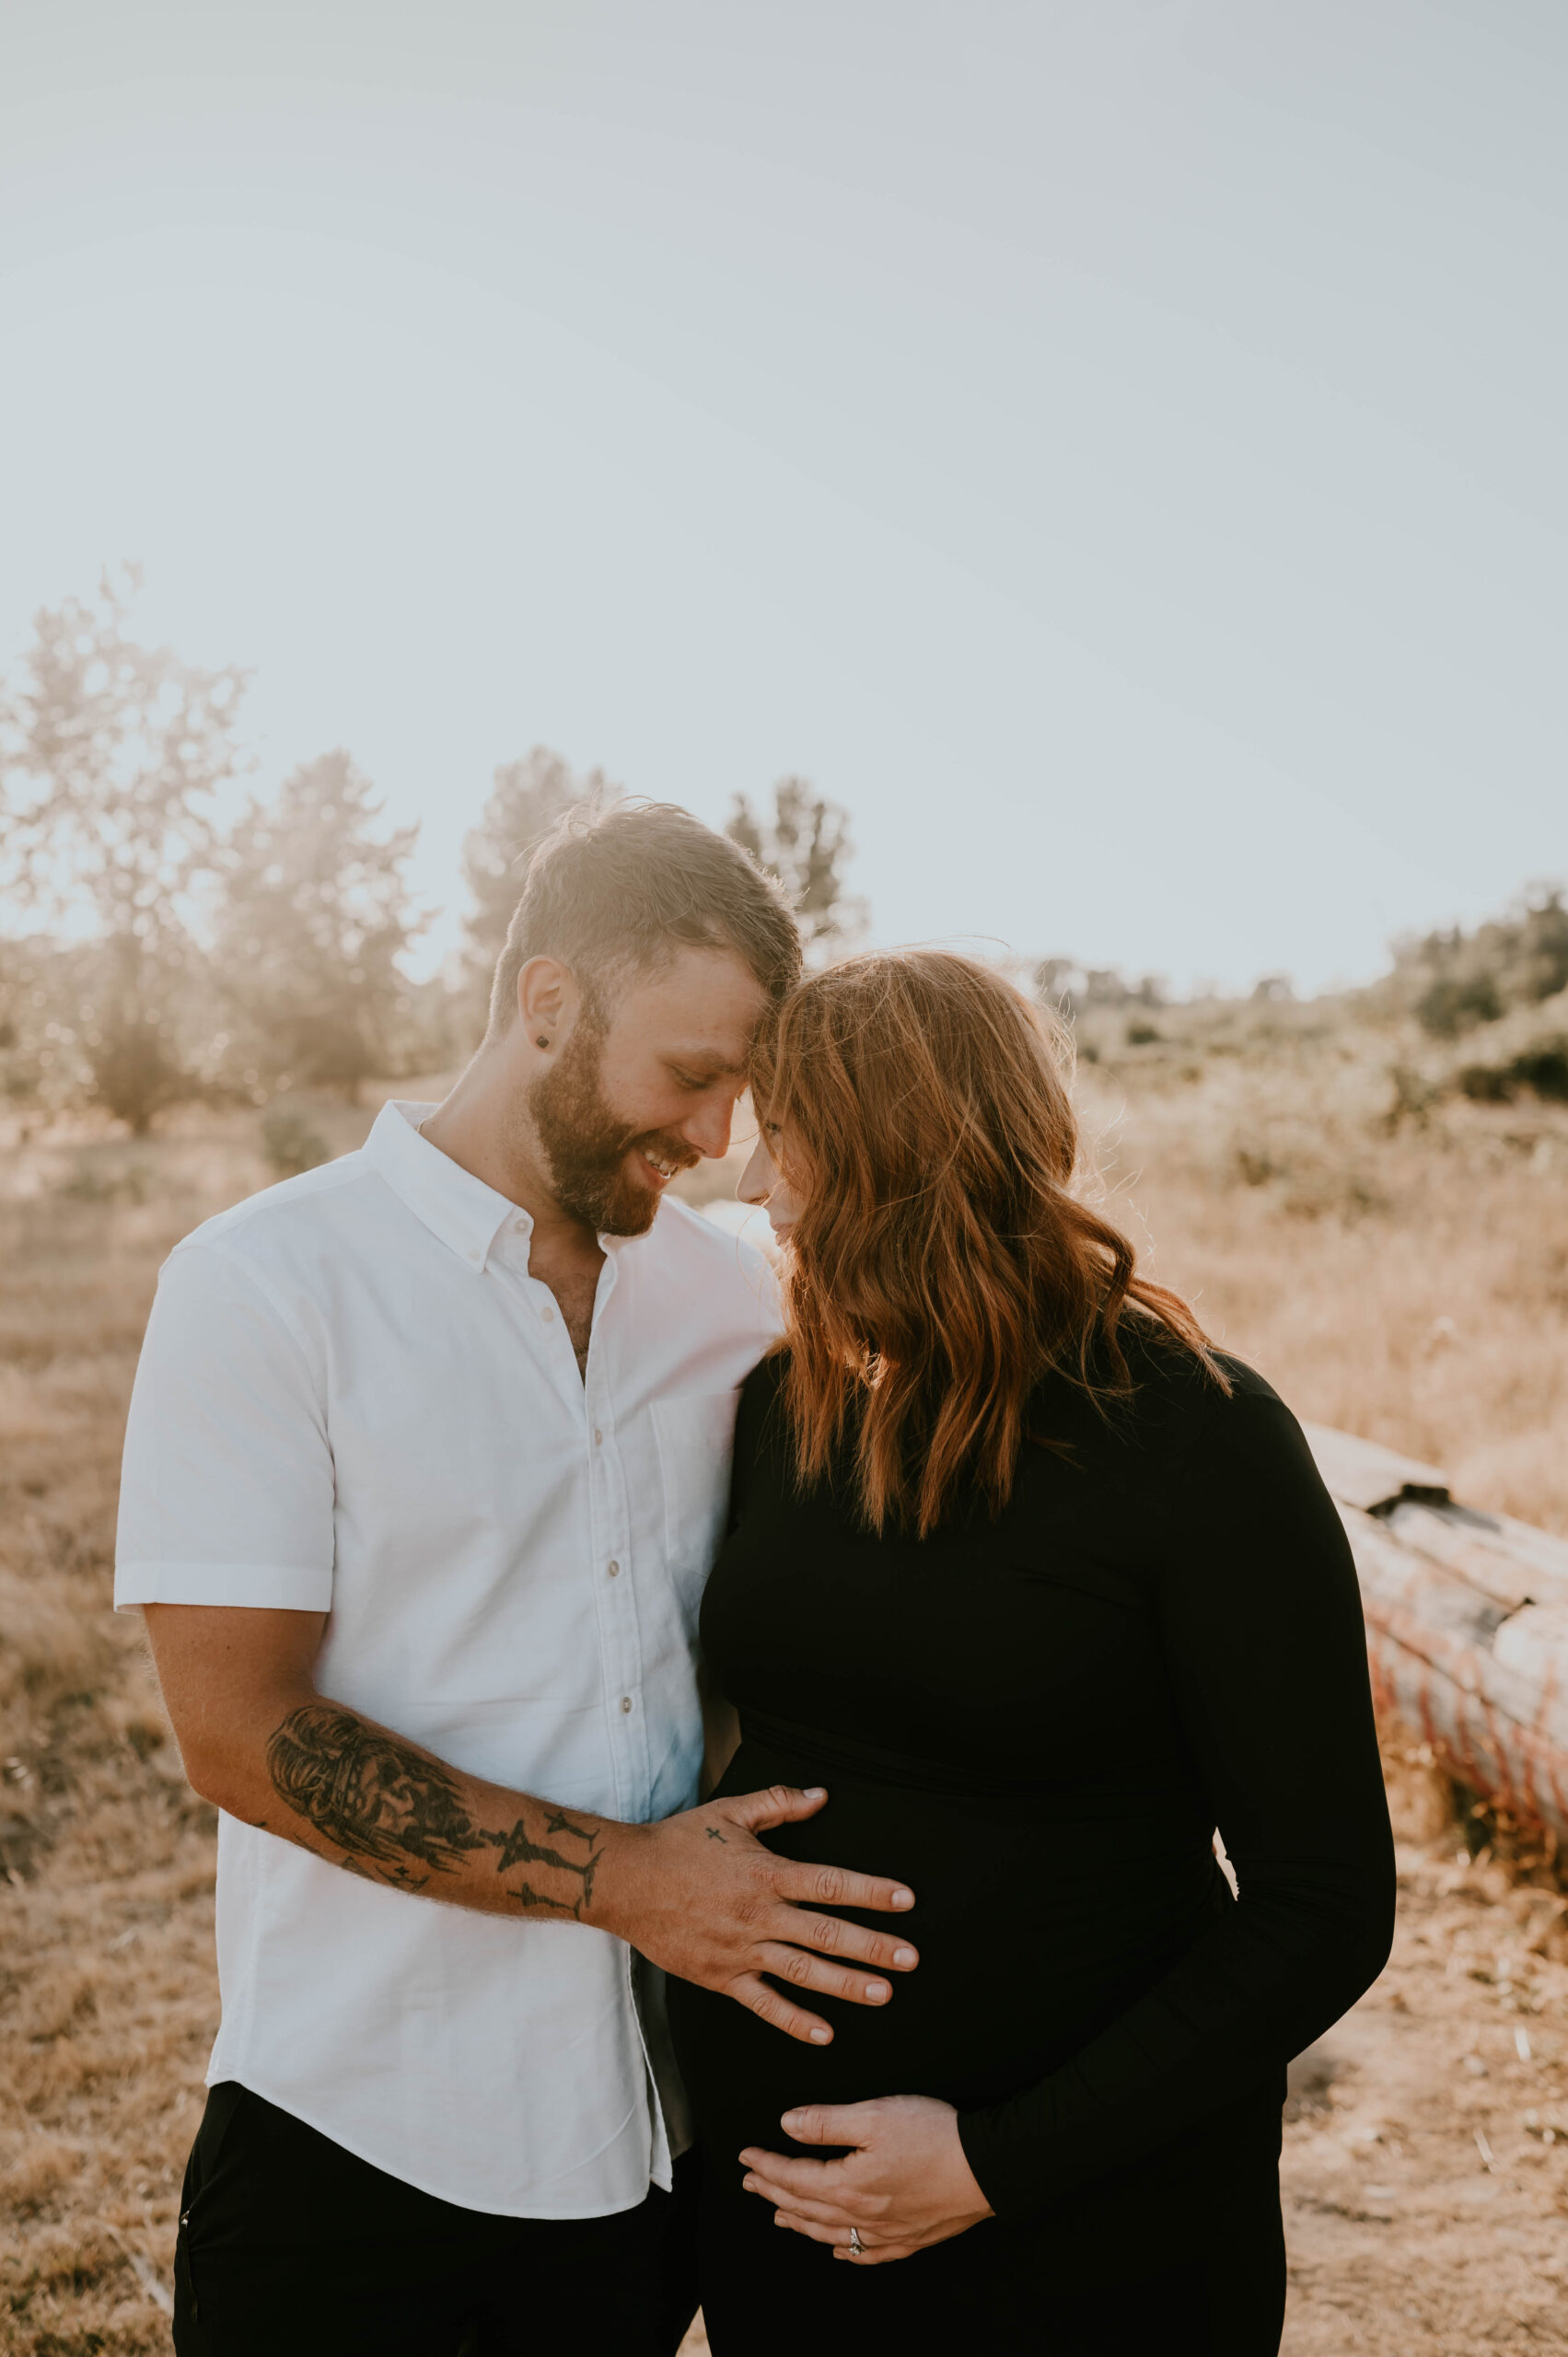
(972, 2131)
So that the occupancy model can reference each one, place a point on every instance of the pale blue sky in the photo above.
(1114, 446)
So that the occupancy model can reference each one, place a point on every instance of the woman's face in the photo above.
(762, 1182)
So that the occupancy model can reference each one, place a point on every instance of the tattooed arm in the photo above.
(698, 1894)
(258, 1741)
(400, 1816)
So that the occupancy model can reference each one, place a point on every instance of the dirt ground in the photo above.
(1426, 2167)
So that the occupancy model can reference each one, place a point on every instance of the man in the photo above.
(426, 1463)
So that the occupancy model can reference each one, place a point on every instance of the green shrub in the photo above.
(1543, 1070)
(1455, 981)
(1458, 1002)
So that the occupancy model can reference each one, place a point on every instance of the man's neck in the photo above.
(477, 1128)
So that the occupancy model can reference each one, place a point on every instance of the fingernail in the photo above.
(816, 1792)
(877, 1992)
(903, 1898)
(903, 1956)
(748, 2184)
(790, 2122)
(820, 2035)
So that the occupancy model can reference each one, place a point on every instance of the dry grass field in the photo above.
(1406, 1282)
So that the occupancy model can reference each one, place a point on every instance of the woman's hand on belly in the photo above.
(904, 2185)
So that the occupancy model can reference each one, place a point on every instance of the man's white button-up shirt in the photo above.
(353, 1399)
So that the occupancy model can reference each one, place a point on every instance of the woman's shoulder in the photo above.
(1187, 1434)
(765, 1382)
(1167, 1369)
(763, 1465)
(759, 1423)
(1168, 1401)
(1233, 1429)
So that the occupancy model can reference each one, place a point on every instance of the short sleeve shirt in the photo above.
(353, 1399)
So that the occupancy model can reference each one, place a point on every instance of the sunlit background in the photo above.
(1115, 449)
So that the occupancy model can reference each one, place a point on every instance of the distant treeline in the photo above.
(150, 956)
(1482, 1014)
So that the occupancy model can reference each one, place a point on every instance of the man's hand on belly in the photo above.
(700, 1896)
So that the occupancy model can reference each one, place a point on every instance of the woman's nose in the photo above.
(757, 1178)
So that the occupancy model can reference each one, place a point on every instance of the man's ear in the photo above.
(549, 1001)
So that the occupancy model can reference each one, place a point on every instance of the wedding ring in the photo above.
(856, 2247)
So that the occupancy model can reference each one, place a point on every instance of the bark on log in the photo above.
(1466, 1624)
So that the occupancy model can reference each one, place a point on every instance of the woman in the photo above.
(1088, 1601)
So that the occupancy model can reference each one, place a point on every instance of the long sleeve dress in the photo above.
(1038, 1721)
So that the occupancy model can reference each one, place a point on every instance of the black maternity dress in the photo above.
(1038, 1721)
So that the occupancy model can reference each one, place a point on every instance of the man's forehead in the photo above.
(701, 1007)
(719, 1057)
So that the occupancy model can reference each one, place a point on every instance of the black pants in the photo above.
(290, 2247)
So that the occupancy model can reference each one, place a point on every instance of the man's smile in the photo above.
(664, 1167)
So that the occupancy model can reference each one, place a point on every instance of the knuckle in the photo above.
(796, 1966)
(829, 1885)
(827, 1932)
(779, 1795)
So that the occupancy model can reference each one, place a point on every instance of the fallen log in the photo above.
(1466, 1625)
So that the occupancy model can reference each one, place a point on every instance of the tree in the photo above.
(525, 799)
(314, 920)
(1455, 982)
(111, 753)
(806, 845)
(25, 993)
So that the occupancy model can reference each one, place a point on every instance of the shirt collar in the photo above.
(458, 1208)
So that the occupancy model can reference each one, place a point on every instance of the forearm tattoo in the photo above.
(400, 1818)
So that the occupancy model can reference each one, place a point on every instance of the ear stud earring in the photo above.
(542, 1041)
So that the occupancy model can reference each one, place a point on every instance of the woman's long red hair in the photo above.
(941, 1264)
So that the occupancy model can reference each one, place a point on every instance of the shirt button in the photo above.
(614, 1570)
(519, 1227)
(545, 1315)
(625, 1701)
(476, 1255)
(599, 1437)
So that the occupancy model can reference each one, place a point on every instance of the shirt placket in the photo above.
(621, 1642)
(615, 1573)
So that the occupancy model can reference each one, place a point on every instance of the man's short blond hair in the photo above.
(615, 889)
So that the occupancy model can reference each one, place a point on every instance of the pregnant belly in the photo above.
(1034, 1928)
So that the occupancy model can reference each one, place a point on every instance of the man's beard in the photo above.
(585, 1144)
